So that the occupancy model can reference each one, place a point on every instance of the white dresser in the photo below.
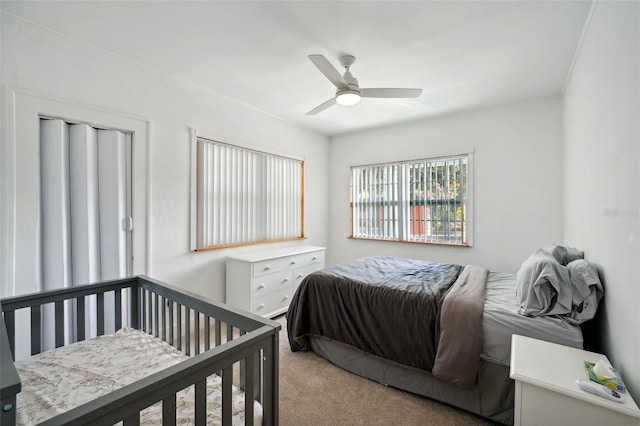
(546, 390)
(263, 282)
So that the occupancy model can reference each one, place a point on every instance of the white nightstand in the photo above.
(546, 390)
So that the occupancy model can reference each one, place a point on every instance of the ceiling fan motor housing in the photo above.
(351, 94)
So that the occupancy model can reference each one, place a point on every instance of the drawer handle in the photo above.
(267, 268)
(260, 306)
(285, 280)
(300, 275)
(314, 258)
(293, 262)
(260, 287)
(286, 296)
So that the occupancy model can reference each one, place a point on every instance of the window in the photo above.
(245, 196)
(423, 201)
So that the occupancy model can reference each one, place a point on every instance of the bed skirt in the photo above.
(491, 397)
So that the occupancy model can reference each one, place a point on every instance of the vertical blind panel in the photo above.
(246, 196)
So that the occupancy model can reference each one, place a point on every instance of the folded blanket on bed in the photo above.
(460, 340)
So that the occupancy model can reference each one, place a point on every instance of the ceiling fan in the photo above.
(349, 93)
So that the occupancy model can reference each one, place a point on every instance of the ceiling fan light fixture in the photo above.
(348, 97)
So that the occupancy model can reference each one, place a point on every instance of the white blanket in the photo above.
(61, 379)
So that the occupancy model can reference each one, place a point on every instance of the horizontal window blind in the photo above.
(425, 200)
(246, 196)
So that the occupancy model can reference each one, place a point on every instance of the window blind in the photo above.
(246, 196)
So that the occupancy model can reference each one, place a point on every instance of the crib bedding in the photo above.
(64, 378)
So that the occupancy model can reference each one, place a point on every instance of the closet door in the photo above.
(85, 215)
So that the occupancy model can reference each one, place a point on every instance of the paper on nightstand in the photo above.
(604, 370)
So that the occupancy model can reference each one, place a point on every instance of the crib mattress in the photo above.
(61, 379)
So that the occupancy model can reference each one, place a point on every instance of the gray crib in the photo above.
(215, 336)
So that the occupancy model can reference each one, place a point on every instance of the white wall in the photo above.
(602, 177)
(517, 181)
(39, 61)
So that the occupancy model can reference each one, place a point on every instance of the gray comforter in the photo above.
(385, 306)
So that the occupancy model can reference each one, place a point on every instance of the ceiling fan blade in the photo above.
(329, 71)
(390, 93)
(322, 107)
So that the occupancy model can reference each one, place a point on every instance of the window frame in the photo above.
(195, 137)
(404, 201)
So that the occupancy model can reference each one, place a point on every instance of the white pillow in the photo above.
(587, 291)
(543, 286)
(564, 254)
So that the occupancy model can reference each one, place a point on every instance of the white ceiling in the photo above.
(464, 54)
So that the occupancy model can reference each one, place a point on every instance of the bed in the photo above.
(175, 358)
(438, 330)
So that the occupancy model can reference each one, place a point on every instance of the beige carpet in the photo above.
(315, 392)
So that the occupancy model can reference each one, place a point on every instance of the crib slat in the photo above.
(201, 402)
(243, 362)
(132, 421)
(163, 302)
(179, 326)
(36, 330)
(118, 305)
(218, 333)
(229, 332)
(169, 411)
(156, 326)
(100, 313)
(227, 379)
(80, 312)
(171, 323)
(197, 330)
(249, 394)
(187, 332)
(10, 325)
(135, 307)
(59, 323)
(207, 332)
(149, 310)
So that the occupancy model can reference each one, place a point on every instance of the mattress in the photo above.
(501, 319)
(61, 379)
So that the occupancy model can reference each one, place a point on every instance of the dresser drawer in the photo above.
(267, 283)
(293, 262)
(269, 303)
(268, 266)
(315, 258)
